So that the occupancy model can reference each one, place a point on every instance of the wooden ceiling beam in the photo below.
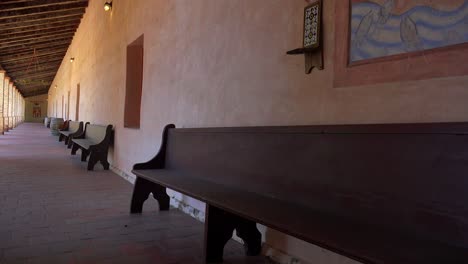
(36, 29)
(37, 88)
(44, 84)
(33, 76)
(41, 63)
(36, 34)
(41, 16)
(38, 68)
(25, 64)
(30, 50)
(30, 57)
(7, 2)
(44, 26)
(41, 86)
(20, 6)
(38, 75)
(73, 20)
(40, 82)
(45, 59)
(5, 15)
(35, 94)
(31, 41)
(32, 45)
(40, 21)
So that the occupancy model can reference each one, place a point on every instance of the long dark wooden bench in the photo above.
(73, 129)
(393, 194)
(93, 142)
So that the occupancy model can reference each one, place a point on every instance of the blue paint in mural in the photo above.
(377, 32)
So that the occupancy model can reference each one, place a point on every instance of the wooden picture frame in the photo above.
(430, 64)
(312, 25)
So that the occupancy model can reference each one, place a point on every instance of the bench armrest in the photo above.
(79, 132)
(65, 126)
(105, 143)
(158, 162)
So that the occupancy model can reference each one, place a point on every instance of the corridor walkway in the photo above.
(52, 210)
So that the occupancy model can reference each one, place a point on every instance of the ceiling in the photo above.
(34, 38)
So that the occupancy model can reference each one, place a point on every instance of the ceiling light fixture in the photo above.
(72, 59)
(108, 6)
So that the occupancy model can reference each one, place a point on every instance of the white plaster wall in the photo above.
(223, 63)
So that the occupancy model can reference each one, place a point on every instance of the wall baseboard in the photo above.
(275, 255)
(130, 178)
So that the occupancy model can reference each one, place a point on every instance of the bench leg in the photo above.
(103, 159)
(219, 226)
(247, 230)
(84, 154)
(70, 142)
(60, 137)
(75, 147)
(66, 141)
(93, 159)
(141, 191)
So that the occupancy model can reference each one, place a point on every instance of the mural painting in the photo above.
(36, 112)
(381, 28)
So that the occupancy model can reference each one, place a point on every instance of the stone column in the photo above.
(2, 82)
(13, 109)
(20, 98)
(12, 102)
(10, 105)
(10, 113)
(16, 107)
(6, 90)
(23, 109)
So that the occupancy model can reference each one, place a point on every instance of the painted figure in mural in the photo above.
(409, 34)
(381, 28)
(385, 11)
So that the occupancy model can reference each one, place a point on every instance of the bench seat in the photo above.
(84, 143)
(333, 232)
(95, 142)
(66, 133)
(72, 129)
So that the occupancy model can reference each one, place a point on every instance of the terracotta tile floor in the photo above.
(52, 210)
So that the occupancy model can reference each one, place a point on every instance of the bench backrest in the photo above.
(98, 133)
(74, 126)
(410, 177)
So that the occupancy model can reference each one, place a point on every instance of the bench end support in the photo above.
(141, 191)
(219, 226)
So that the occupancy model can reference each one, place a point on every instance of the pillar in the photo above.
(12, 102)
(10, 105)
(2, 82)
(23, 109)
(13, 109)
(6, 90)
(16, 107)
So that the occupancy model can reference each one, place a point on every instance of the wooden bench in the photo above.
(95, 142)
(374, 193)
(73, 129)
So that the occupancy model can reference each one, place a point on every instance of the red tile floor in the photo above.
(52, 210)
